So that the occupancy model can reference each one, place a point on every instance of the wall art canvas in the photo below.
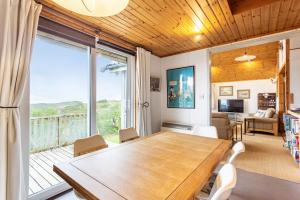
(226, 91)
(155, 84)
(243, 94)
(181, 87)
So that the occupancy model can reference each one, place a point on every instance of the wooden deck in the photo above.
(41, 175)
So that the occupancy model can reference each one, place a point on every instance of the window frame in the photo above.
(130, 84)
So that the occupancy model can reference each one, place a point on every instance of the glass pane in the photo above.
(111, 95)
(59, 94)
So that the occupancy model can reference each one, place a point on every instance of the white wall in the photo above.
(295, 70)
(255, 86)
(201, 113)
(155, 100)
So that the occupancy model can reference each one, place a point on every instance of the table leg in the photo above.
(253, 132)
(253, 124)
(245, 124)
(241, 132)
(236, 129)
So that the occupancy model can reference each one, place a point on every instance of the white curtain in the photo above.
(18, 24)
(143, 92)
(213, 96)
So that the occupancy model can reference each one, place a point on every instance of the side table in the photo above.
(246, 121)
(238, 124)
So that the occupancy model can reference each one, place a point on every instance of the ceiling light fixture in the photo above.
(198, 37)
(245, 57)
(96, 8)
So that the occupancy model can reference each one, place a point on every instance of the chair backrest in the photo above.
(90, 144)
(206, 131)
(237, 149)
(225, 182)
(127, 134)
(222, 123)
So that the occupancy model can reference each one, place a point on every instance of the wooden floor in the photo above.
(41, 175)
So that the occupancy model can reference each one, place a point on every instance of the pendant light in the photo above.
(95, 8)
(245, 57)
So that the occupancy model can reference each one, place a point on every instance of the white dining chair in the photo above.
(225, 182)
(236, 150)
(206, 131)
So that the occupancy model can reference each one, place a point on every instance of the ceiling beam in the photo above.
(239, 6)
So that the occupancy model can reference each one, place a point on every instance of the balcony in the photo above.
(51, 141)
(41, 175)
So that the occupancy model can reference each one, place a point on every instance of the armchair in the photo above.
(223, 125)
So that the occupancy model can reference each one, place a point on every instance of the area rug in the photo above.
(253, 186)
(266, 155)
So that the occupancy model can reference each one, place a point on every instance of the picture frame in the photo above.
(181, 87)
(226, 91)
(154, 84)
(243, 94)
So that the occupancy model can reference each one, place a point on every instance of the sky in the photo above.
(59, 73)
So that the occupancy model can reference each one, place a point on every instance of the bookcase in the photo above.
(292, 131)
(266, 100)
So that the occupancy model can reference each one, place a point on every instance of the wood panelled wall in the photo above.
(226, 69)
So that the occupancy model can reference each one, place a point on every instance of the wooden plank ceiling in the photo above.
(168, 27)
(226, 69)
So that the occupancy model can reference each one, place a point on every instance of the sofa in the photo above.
(222, 123)
(263, 124)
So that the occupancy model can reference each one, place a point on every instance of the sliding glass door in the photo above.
(59, 96)
(75, 91)
(111, 94)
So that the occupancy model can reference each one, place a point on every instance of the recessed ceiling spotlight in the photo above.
(199, 37)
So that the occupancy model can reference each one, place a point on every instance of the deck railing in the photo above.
(56, 131)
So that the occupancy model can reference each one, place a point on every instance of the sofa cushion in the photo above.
(270, 113)
(260, 113)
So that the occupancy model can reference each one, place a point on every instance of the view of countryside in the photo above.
(59, 93)
(60, 124)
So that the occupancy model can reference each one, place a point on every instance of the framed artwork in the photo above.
(181, 87)
(243, 94)
(155, 84)
(226, 91)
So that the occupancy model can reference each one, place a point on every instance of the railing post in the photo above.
(58, 132)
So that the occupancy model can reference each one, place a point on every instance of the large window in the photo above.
(59, 96)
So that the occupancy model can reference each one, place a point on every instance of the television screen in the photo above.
(231, 105)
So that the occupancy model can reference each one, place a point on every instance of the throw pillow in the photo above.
(260, 113)
(270, 113)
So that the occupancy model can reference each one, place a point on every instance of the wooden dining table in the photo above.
(162, 166)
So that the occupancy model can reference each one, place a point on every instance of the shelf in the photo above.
(295, 114)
